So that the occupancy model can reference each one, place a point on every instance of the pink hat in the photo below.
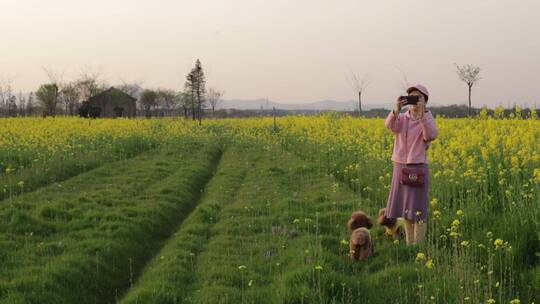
(422, 89)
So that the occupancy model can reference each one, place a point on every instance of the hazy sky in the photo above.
(285, 50)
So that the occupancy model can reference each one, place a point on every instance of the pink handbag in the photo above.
(413, 176)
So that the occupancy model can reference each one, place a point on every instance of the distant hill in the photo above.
(263, 104)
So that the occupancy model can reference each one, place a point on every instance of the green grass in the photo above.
(285, 222)
(266, 221)
(169, 277)
(87, 239)
(479, 270)
(32, 174)
(263, 224)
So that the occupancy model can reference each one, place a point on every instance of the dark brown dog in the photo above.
(394, 227)
(360, 244)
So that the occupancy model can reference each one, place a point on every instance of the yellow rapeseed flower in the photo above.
(420, 256)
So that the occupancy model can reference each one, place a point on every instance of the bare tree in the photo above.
(167, 100)
(12, 106)
(88, 87)
(148, 100)
(470, 75)
(70, 96)
(89, 83)
(30, 104)
(54, 76)
(359, 85)
(405, 83)
(21, 99)
(69, 93)
(214, 98)
(6, 93)
(184, 101)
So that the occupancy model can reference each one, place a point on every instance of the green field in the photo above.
(228, 219)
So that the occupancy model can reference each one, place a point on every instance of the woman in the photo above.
(414, 130)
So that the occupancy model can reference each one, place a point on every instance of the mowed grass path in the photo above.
(270, 229)
(86, 240)
(169, 278)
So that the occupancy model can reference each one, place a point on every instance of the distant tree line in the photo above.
(193, 100)
(461, 111)
(451, 111)
(60, 97)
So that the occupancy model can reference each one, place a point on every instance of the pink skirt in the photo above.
(407, 201)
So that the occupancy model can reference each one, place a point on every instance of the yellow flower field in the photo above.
(483, 229)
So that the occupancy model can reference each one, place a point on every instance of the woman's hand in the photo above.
(399, 103)
(420, 109)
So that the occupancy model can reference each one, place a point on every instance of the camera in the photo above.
(411, 99)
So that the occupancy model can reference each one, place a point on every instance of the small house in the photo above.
(110, 103)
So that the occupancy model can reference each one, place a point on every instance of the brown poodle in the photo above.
(394, 227)
(360, 244)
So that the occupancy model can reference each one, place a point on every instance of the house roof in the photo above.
(110, 91)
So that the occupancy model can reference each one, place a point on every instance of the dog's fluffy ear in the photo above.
(350, 224)
(359, 219)
(369, 224)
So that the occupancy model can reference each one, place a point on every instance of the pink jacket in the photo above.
(413, 136)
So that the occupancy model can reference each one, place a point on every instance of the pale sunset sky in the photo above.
(290, 51)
